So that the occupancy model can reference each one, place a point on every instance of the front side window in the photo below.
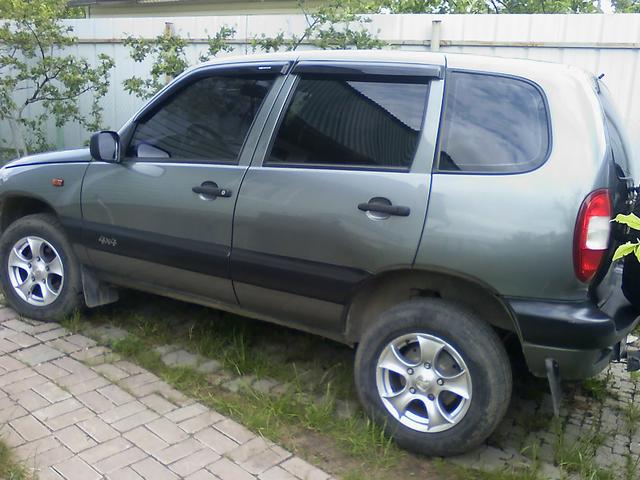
(493, 124)
(341, 122)
(207, 121)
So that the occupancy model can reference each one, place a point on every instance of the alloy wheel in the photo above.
(423, 382)
(36, 271)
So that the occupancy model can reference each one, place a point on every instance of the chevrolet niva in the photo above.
(423, 207)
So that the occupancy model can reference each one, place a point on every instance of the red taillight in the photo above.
(591, 237)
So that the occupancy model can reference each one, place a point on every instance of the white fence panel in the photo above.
(608, 44)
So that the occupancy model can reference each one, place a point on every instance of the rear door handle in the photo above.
(210, 189)
(397, 210)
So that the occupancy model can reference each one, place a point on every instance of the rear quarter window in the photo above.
(493, 124)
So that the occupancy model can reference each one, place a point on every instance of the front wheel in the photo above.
(40, 274)
(436, 376)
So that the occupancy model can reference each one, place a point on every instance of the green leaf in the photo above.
(631, 220)
(637, 252)
(624, 250)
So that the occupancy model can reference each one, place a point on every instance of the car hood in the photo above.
(63, 156)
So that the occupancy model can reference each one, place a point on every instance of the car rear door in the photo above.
(162, 218)
(338, 187)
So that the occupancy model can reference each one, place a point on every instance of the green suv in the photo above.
(424, 207)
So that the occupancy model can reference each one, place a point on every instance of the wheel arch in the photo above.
(16, 206)
(389, 288)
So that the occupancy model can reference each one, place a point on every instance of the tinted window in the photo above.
(493, 124)
(207, 121)
(351, 123)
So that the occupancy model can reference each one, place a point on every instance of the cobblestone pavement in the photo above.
(598, 429)
(72, 410)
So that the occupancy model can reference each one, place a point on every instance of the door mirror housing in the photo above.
(105, 146)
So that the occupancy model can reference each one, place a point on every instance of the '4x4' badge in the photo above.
(107, 242)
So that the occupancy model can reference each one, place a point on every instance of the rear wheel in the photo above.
(435, 375)
(40, 273)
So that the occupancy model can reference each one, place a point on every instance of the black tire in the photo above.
(478, 345)
(48, 228)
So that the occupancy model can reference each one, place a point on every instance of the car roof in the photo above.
(521, 67)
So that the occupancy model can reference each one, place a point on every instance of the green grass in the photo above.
(9, 468)
(579, 456)
(631, 415)
(510, 473)
(244, 346)
(73, 322)
(596, 388)
(631, 468)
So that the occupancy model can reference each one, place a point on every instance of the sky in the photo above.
(606, 6)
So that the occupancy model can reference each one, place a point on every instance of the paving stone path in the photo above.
(610, 423)
(72, 410)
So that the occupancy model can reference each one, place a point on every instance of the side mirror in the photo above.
(105, 147)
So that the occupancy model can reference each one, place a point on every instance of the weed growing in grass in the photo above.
(236, 355)
(631, 467)
(320, 411)
(597, 388)
(354, 475)
(631, 414)
(512, 473)
(579, 457)
(73, 322)
(533, 453)
(9, 468)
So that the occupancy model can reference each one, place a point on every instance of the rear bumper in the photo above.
(580, 336)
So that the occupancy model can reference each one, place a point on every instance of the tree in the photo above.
(633, 222)
(486, 6)
(167, 52)
(334, 26)
(337, 25)
(38, 81)
(626, 6)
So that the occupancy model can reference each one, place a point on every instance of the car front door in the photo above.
(338, 188)
(161, 218)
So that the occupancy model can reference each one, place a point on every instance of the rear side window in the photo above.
(207, 121)
(348, 123)
(493, 124)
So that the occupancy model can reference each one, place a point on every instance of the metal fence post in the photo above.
(435, 35)
(168, 32)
